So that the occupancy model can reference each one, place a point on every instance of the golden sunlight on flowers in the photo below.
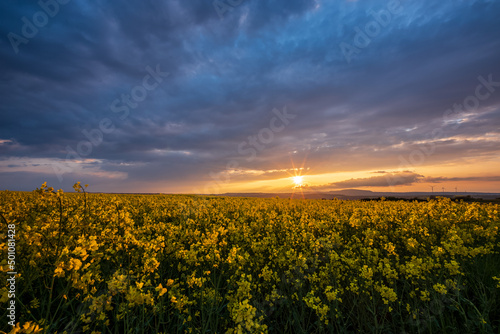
(191, 264)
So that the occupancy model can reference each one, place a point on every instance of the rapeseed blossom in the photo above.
(182, 263)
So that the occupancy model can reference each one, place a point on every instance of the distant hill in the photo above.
(354, 194)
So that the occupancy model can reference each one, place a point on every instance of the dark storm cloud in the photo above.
(387, 180)
(404, 178)
(226, 76)
(472, 178)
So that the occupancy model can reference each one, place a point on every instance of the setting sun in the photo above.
(298, 181)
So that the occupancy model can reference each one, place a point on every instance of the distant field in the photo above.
(98, 263)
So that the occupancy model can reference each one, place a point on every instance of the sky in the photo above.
(206, 96)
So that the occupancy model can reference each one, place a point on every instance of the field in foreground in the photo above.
(174, 264)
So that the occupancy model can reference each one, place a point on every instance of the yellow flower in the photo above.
(388, 294)
(28, 328)
(75, 264)
(424, 296)
(59, 271)
(161, 290)
(366, 273)
(498, 280)
(440, 288)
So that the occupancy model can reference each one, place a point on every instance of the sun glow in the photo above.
(298, 181)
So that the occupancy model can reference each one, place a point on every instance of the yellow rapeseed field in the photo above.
(105, 263)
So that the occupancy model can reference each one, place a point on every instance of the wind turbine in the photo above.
(432, 187)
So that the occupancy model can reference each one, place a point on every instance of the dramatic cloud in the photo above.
(160, 96)
(386, 180)
(455, 179)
